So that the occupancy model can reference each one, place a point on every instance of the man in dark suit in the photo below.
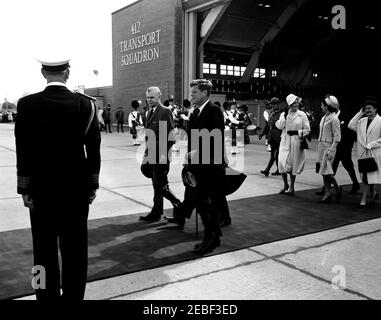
(344, 152)
(57, 169)
(207, 159)
(119, 116)
(107, 117)
(159, 139)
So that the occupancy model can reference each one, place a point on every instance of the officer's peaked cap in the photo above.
(49, 64)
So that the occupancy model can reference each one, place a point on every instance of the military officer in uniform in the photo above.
(57, 171)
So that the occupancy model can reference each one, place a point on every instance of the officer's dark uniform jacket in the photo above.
(53, 152)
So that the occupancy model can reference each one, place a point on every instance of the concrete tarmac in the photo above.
(337, 264)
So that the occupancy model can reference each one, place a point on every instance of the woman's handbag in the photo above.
(304, 144)
(367, 164)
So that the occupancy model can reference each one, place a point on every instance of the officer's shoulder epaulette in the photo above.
(86, 96)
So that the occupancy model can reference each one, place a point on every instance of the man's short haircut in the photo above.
(202, 85)
(59, 73)
(154, 90)
(186, 103)
(135, 104)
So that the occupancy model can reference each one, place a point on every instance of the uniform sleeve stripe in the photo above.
(23, 182)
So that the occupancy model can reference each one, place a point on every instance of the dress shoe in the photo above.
(283, 191)
(225, 222)
(265, 172)
(326, 199)
(177, 220)
(276, 173)
(208, 246)
(198, 245)
(149, 218)
(290, 192)
(363, 204)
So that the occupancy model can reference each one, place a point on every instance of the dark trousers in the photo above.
(108, 126)
(274, 154)
(64, 225)
(209, 197)
(159, 181)
(190, 202)
(234, 136)
(345, 156)
(120, 125)
(134, 132)
(246, 137)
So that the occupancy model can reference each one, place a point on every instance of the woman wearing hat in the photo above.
(329, 138)
(368, 130)
(294, 125)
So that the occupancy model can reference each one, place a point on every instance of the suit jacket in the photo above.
(212, 119)
(54, 154)
(270, 127)
(329, 129)
(348, 136)
(106, 114)
(159, 132)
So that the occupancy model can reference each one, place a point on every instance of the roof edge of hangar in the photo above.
(192, 5)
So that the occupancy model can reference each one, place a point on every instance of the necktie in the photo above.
(150, 115)
(196, 112)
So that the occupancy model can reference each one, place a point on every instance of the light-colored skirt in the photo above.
(325, 163)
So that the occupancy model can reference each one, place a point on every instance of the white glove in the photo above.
(330, 153)
(368, 147)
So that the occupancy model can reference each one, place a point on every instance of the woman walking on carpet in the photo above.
(368, 130)
(329, 138)
(294, 125)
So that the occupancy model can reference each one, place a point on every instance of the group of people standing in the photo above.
(48, 165)
(288, 130)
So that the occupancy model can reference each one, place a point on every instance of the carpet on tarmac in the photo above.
(122, 244)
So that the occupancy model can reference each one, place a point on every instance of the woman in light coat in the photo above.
(329, 138)
(368, 130)
(294, 125)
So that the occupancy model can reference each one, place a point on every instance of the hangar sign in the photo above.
(131, 49)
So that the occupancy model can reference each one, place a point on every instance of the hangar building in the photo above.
(250, 49)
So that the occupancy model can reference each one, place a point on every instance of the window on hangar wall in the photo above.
(228, 70)
(209, 68)
(259, 73)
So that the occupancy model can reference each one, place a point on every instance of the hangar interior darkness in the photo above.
(257, 49)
